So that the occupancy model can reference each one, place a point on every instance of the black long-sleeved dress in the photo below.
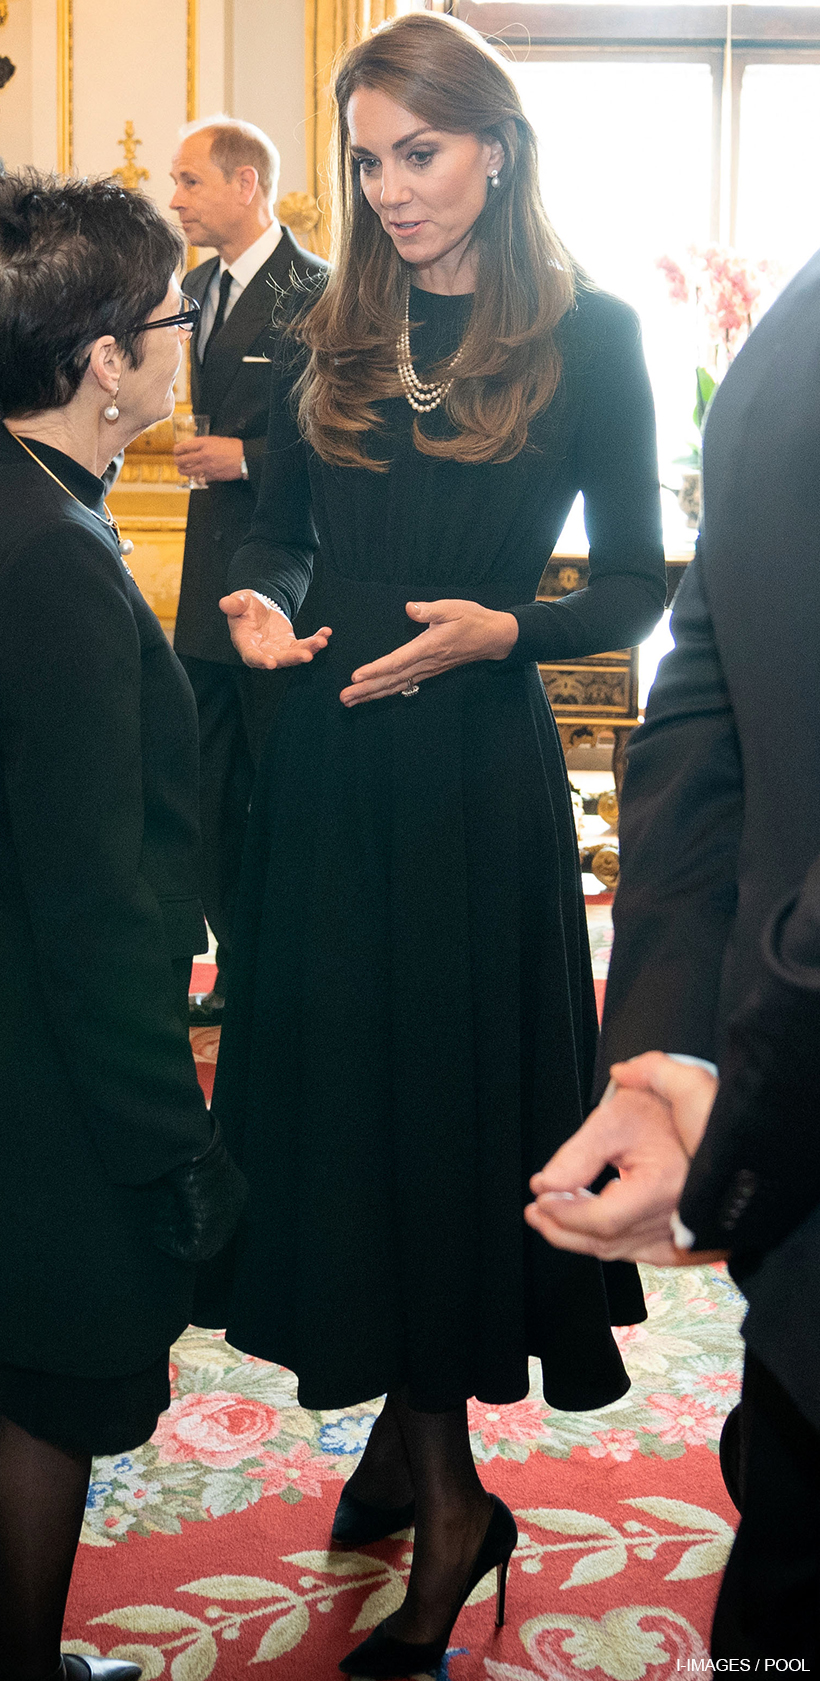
(411, 1025)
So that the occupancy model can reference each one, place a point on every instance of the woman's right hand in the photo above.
(264, 637)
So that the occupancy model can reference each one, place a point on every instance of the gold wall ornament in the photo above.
(300, 213)
(192, 62)
(331, 26)
(65, 86)
(130, 173)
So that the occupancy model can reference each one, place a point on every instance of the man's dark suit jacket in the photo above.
(233, 387)
(754, 1184)
(99, 909)
(721, 808)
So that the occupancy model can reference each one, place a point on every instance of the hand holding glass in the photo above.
(192, 426)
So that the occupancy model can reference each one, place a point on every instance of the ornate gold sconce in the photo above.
(130, 173)
(300, 213)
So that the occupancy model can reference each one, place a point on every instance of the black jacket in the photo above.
(98, 897)
(233, 387)
(754, 1184)
(721, 810)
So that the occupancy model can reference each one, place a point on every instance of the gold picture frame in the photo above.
(65, 77)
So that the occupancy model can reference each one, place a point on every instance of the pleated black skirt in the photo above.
(409, 1035)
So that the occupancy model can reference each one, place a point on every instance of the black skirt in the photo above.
(86, 1415)
(409, 1034)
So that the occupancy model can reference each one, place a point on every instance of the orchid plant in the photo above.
(727, 294)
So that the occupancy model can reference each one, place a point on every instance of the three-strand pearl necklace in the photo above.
(423, 397)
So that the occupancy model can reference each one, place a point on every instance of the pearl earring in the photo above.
(112, 413)
(494, 181)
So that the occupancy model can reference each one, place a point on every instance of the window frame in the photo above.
(738, 35)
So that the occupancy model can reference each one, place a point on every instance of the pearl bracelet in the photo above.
(273, 605)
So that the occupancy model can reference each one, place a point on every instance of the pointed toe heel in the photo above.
(381, 1657)
(99, 1669)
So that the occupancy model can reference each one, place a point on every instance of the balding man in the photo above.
(225, 174)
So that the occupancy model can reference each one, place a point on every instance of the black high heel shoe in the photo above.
(381, 1656)
(75, 1668)
(356, 1523)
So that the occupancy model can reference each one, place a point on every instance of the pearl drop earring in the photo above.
(112, 413)
(494, 181)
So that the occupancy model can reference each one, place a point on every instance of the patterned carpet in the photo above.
(205, 1552)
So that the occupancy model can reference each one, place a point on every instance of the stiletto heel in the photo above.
(501, 1592)
(381, 1656)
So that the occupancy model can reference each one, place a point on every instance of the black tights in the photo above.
(427, 1456)
(42, 1500)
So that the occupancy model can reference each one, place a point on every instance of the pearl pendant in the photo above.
(126, 546)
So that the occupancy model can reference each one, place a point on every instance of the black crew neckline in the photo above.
(442, 297)
(78, 481)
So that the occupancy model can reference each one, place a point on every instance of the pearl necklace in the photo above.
(124, 544)
(421, 396)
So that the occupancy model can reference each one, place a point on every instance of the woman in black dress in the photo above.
(112, 1182)
(412, 1023)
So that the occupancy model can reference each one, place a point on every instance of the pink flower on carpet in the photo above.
(219, 1430)
(621, 1444)
(701, 1305)
(522, 1421)
(205, 1043)
(298, 1469)
(682, 1418)
(626, 1335)
(720, 1383)
(173, 1378)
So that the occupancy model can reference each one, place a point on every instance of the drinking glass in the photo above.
(192, 426)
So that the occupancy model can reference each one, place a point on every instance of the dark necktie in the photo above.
(224, 289)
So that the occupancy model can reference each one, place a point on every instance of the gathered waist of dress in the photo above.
(369, 619)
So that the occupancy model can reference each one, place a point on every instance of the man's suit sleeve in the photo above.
(756, 1175)
(70, 700)
(680, 829)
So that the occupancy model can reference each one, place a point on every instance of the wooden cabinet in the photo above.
(595, 699)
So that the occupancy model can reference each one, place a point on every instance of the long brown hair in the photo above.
(444, 73)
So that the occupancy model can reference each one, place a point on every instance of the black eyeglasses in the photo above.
(187, 318)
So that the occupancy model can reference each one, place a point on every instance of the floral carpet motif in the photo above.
(206, 1550)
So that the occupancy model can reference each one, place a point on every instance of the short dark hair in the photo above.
(78, 259)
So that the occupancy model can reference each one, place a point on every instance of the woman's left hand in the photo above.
(459, 632)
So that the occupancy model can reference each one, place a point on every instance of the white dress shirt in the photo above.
(243, 269)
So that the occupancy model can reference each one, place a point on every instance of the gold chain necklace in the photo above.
(124, 544)
(423, 397)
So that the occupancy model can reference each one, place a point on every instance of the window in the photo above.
(657, 133)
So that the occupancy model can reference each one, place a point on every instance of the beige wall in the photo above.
(268, 77)
(16, 98)
(130, 64)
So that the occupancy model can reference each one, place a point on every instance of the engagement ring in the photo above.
(412, 689)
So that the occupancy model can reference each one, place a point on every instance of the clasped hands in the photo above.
(458, 633)
(648, 1125)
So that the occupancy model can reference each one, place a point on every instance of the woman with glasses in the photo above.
(412, 1019)
(106, 1145)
